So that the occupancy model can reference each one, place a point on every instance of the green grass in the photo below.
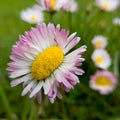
(81, 103)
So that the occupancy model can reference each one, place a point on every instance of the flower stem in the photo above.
(6, 103)
(33, 112)
(97, 97)
(69, 20)
(26, 110)
(4, 98)
(116, 64)
(51, 16)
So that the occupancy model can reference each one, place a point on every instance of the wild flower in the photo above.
(33, 15)
(108, 5)
(101, 58)
(42, 60)
(99, 41)
(103, 81)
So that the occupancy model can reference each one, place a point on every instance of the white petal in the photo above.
(47, 85)
(29, 56)
(28, 87)
(19, 80)
(39, 97)
(36, 89)
(18, 73)
(71, 37)
(71, 44)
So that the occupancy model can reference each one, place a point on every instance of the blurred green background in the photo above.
(81, 103)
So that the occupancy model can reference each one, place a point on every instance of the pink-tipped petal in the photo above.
(36, 89)
(28, 87)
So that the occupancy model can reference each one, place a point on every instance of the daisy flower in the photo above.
(108, 5)
(101, 58)
(70, 6)
(116, 21)
(99, 41)
(33, 15)
(42, 60)
(52, 5)
(103, 81)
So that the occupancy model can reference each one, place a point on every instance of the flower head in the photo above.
(33, 15)
(116, 21)
(108, 5)
(103, 81)
(99, 41)
(52, 5)
(42, 60)
(101, 58)
(70, 6)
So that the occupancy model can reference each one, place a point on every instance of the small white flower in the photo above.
(108, 5)
(101, 58)
(116, 21)
(33, 15)
(99, 41)
(70, 6)
(103, 81)
(52, 5)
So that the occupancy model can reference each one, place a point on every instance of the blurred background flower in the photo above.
(108, 5)
(52, 5)
(103, 81)
(99, 41)
(70, 6)
(101, 58)
(116, 21)
(33, 15)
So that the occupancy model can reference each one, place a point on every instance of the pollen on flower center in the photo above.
(106, 6)
(33, 18)
(99, 60)
(98, 44)
(46, 62)
(103, 81)
(52, 3)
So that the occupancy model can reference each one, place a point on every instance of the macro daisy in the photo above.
(43, 62)
(70, 6)
(103, 81)
(108, 5)
(116, 21)
(99, 41)
(52, 5)
(33, 15)
(101, 58)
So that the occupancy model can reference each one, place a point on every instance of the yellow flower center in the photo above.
(106, 6)
(52, 3)
(98, 44)
(99, 60)
(103, 81)
(46, 62)
(33, 18)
